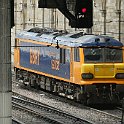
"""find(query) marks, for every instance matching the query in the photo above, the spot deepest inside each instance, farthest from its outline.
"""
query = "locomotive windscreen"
(102, 55)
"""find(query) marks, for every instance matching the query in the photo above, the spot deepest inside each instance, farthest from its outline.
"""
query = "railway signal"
(84, 13)
(83, 17)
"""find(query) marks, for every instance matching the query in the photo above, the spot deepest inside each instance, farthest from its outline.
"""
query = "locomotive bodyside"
(86, 68)
(41, 59)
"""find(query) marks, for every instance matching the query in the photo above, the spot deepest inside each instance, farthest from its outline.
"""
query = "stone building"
(108, 17)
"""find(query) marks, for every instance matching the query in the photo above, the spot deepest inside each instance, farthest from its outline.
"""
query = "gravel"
(84, 113)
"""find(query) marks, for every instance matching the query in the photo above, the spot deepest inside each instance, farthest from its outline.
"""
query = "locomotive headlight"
(119, 76)
(87, 75)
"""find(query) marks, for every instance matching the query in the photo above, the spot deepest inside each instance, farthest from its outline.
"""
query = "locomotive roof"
(68, 39)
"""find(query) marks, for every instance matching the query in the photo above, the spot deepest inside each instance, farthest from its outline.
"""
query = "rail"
(45, 112)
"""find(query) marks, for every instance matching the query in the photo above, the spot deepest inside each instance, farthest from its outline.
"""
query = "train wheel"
(32, 80)
(38, 82)
(55, 87)
(79, 96)
(48, 84)
(19, 75)
(53, 82)
(42, 82)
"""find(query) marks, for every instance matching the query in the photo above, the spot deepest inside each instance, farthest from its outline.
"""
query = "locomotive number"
(34, 56)
(55, 64)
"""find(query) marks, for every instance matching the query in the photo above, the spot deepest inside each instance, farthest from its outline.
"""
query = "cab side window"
(76, 55)
(62, 55)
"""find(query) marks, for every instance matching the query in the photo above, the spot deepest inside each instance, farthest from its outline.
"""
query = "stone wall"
(106, 18)
(111, 22)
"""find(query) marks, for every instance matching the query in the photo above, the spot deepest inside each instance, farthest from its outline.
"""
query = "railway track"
(15, 121)
(106, 117)
(45, 112)
(117, 112)
(33, 112)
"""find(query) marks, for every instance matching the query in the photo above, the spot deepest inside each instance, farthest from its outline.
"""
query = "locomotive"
(83, 67)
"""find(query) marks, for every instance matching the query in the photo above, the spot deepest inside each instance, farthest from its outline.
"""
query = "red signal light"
(84, 10)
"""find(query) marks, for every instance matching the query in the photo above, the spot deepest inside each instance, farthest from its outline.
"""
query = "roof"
(68, 39)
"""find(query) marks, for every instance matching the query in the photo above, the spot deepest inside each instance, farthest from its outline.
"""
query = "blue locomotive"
(84, 67)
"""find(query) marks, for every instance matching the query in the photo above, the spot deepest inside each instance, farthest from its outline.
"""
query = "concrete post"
(64, 23)
(43, 17)
(52, 18)
(118, 12)
(5, 63)
(103, 10)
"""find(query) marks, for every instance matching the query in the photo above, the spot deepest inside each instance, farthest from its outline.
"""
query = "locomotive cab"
(102, 74)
